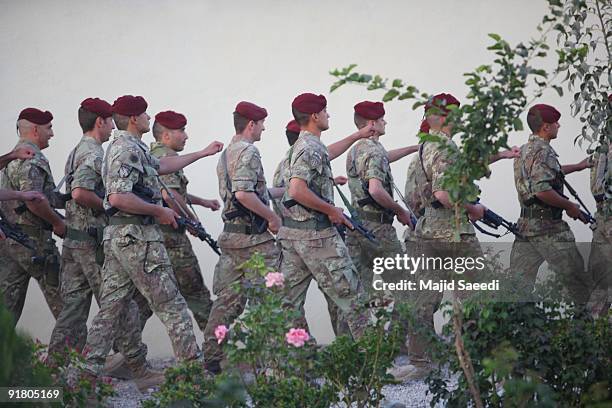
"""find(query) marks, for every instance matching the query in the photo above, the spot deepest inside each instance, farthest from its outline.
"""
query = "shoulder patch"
(125, 170)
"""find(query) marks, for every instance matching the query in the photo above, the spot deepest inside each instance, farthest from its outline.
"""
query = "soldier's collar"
(438, 133)
(29, 143)
(536, 138)
(157, 145)
(91, 139)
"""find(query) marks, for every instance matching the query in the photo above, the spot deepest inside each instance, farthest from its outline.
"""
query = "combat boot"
(116, 367)
(145, 377)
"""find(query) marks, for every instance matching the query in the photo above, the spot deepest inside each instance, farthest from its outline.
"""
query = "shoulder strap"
(421, 160)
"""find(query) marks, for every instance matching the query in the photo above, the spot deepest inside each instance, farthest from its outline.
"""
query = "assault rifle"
(15, 233)
(586, 214)
(146, 194)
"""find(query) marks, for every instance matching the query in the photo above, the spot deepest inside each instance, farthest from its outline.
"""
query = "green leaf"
(558, 89)
(494, 36)
(517, 123)
(337, 85)
(391, 93)
(397, 83)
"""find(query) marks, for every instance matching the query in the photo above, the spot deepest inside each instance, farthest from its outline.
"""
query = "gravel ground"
(410, 394)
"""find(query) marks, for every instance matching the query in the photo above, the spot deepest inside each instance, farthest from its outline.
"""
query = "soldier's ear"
(99, 122)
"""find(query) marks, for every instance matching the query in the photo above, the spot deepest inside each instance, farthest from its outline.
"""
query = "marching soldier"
(371, 185)
(134, 254)
(85, 221)
(248, 222)
(311, 245)
(538, 177)
(170, 137)
(35, 217)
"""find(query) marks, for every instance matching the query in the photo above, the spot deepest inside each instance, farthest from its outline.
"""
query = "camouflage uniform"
(135, 258)
(279, 181)
(311, 246)
(600, 258)
(239, 169)
(544, 234)
(17, 266)
(368, 160)
(414, 179)
(183, 259)
(435, 238)
(80, 277)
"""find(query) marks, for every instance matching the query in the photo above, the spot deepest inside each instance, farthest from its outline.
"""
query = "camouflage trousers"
(18, 266)
(189, 279)
(600, 261)
(131, 264)
(560, 252)
(80, 279)
(326, 260)
(424, 302)
(229, 304)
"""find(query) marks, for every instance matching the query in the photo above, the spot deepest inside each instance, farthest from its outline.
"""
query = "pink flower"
(297, 337)
(275, 279)
(220, 333)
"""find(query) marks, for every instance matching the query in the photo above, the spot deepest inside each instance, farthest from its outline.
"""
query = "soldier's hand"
(31, 196)
(59, 229)
(167, 216)
(511, 153)
(340, 180)
(2, 236)
(586, 163)
(23, 152)
(366, 131)
(336, 216)
(213, 148)
(404, 218)
(574, 212)
(476, 211)
(212, 204)
(274, 224)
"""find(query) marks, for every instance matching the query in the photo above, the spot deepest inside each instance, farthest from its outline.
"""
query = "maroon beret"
(36, 116)
(293, 126)
(441, 101)
(370, 110)
(171, 119)
(309, 103)
(98, 106)
(546, 112)
(251, 111)
(424, 128)
(129, 105)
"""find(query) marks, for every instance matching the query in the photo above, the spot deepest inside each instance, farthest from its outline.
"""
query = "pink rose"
(220, 333)
(275, 279)
(297, 337)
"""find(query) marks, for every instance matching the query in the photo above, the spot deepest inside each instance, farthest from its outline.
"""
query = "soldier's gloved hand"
(31, 196)
(476, 211)
(574, 212)
(336, 216)
(404, 218)
(59, 229)
(213, 148)
(340, 180)
(167, 216)
(23, 152)
(274, 224)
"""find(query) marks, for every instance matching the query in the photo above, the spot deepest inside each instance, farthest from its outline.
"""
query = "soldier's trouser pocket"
(156, 280)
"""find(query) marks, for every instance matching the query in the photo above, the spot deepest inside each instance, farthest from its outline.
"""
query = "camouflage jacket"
(176, 181)
(127, 163)
(536, 170)
(367, 160)
(279, 181)
(240, 169)
(85, 165)
(309, 162)
(436, 223)
(27, 175)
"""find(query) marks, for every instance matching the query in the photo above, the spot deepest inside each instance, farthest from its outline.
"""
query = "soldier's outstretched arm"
(212, 203)
(20, 152)
(21, 195)
(511, 153)
(474, 211)
(87, 198)
(570, 168)
(341, 146)
(172, 164)
(299, 191)
(132, 204)
(397, 154)
(176, 202)
(552, 198)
